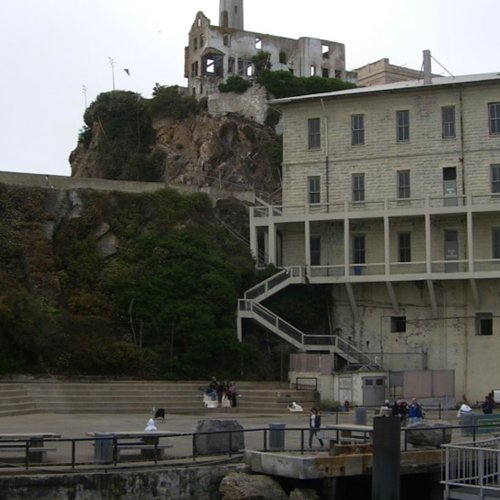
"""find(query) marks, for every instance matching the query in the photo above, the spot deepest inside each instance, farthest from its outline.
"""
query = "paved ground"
(72, 426)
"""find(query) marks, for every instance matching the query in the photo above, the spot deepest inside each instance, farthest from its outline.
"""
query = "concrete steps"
(141, 397)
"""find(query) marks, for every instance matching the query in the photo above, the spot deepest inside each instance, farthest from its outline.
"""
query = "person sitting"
(295, 407)
(487, 405)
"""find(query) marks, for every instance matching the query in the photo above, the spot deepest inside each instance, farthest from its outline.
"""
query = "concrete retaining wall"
(65, 182)
(201, 483)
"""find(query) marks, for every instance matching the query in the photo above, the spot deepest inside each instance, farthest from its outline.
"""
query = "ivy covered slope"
(142, 285)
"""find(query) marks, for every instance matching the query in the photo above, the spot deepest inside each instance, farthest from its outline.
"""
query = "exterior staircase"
(140, 397)
(250, 307)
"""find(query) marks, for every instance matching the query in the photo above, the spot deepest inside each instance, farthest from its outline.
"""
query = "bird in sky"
(127, 71)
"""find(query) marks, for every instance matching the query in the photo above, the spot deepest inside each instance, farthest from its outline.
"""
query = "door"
(450, 186)
(374, 390)
(451, 251)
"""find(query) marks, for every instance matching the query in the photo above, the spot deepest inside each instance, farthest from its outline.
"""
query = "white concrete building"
(391, 198)
(215, 53)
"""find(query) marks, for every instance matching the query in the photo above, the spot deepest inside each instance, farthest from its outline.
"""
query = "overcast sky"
(51, 49)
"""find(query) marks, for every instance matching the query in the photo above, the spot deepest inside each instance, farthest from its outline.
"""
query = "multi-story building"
(391, 197)
(215, 53)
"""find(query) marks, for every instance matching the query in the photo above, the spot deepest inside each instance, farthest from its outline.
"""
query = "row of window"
(403, 186)
(404, 247)
(484, 324)
(448, 125)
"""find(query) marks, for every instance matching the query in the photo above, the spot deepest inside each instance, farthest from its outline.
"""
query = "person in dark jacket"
(314, 426)
(487, 405)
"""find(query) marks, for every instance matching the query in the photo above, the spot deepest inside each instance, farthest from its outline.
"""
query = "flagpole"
(112, 64)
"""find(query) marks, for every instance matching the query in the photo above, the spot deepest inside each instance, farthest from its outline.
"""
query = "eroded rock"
(240, 486)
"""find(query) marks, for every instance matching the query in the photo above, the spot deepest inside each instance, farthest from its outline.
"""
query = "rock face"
(208, 444)
(240, 486)
(223, 151)
(429, 433)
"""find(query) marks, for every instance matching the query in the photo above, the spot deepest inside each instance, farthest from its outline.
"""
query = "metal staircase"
(251, 308)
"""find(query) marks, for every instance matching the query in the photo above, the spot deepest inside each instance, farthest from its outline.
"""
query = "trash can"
(360, 416)
(103, 448)
(466, 419)
(277, 436)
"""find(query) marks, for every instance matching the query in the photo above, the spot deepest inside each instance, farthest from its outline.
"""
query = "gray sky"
(50, 49)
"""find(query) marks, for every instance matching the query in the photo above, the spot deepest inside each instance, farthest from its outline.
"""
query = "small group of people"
(220, 394)
(412, 412)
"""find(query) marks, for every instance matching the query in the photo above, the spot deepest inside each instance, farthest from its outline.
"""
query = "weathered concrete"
(240, 486)
(175, 484)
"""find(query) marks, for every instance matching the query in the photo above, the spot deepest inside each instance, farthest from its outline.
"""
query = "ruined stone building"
(391, 198)
(215, 53)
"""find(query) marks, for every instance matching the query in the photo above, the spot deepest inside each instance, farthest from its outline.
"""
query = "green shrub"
(235, 83)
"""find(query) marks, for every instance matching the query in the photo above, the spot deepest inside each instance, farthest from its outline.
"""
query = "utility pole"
(112, 64)
(84, 90)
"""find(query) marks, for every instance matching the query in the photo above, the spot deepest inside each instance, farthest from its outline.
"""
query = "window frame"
(314, 189)
(403, 185)
(404, 246)
(314, 133)
(357, 129)
(495, 178)
(358, 250)
(484, 324)
(403, 125)
(448, 123)
(358, 192)
(495, 242)
(315, 254)
(494, 118)
(398, 324)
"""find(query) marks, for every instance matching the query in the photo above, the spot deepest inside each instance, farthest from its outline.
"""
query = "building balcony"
(372, 209)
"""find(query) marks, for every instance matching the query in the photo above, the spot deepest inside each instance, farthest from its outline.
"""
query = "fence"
(105, 452)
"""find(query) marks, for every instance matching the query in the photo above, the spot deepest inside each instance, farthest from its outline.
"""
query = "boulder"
(304, 494)
(216, 442)
(428, 433)
(241, 486)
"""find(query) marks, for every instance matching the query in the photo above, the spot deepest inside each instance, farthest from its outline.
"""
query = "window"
(358, 187)
(258, 43)
(398, 324)
(403, 183)
(325, 73)
(313, 189)
(358, 247)
(314, 133)
(313, 70)
(404, 247)
(230, 65)
(226, 39)
(448, 121)
(338, 74)
(484, 324)
(195, 43)
(403, 125)
(495, 178)
(282, 58)
(325, 49)
(495, 240)
(358, 129)
(202, 41)
(315, 251)
(494, 117)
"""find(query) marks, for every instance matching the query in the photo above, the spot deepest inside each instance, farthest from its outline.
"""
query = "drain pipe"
(327, 160)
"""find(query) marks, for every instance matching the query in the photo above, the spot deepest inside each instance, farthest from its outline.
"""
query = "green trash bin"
(103, 447)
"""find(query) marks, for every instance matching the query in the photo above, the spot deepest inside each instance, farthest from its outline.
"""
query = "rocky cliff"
(195, 148)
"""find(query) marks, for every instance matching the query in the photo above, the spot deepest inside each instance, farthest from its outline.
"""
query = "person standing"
(415, 412)
(314, 427)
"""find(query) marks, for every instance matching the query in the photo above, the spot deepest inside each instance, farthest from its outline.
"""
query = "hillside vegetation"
(109, 284)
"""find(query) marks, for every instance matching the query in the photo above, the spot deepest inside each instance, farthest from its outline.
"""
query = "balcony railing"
(351, 207)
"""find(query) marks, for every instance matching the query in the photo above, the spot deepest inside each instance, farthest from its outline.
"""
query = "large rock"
(216, 442)
(240, 486)
(428, 433)
(300, 494)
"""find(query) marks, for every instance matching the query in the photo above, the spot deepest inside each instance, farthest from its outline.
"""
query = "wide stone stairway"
(18, 398)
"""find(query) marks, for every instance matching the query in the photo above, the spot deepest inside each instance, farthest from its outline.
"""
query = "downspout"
(462, 147)
(327, 160)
